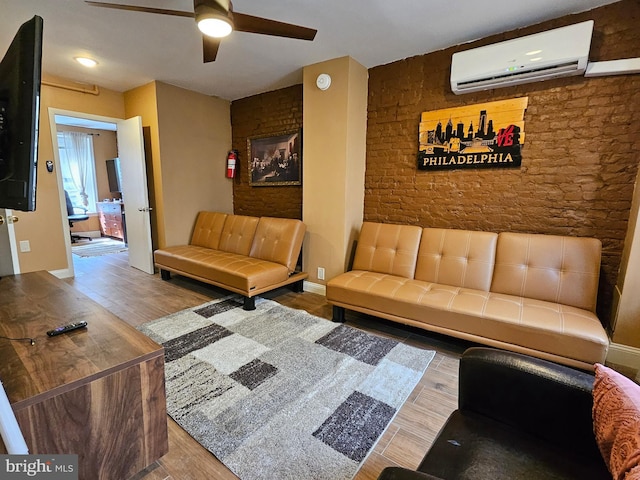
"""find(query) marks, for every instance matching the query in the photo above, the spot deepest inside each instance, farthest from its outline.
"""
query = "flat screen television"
(113, 174)
(20, 74)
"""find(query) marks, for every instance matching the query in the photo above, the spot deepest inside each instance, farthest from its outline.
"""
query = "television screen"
(113, 174)
(20, 73)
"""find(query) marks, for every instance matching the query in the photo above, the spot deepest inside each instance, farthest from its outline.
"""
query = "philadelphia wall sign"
(486, 135)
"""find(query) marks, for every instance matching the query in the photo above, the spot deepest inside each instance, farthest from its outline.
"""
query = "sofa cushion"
(237, 234)
(387, 248)
(554, 268)
(278, 240)
(460, 258)
(476, 447)
(616, 421)
(474, 314)
(207, 229)
(226, 269)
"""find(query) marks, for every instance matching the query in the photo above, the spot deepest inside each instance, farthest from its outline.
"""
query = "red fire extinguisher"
(232, 159)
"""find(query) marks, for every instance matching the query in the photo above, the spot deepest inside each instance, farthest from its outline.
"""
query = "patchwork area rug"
(98, 246)
(278, 393)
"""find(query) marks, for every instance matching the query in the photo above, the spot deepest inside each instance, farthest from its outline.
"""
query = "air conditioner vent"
(543, 73)
(555, 53)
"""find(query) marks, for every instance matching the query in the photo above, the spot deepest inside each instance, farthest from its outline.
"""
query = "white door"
(8, 252)
(134, 194)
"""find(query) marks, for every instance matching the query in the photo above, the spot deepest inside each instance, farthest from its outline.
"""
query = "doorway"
(88, 151)
(127, 210)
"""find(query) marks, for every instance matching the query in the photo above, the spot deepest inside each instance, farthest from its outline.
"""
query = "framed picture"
(275, 159)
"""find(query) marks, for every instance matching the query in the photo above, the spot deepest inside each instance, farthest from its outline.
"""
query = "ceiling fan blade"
(134, 8)
(210, 48)
(248, 23)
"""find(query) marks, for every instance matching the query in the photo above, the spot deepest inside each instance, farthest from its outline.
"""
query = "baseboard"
(315, 288)
(64, 273)
(88, 233)
(624, 355)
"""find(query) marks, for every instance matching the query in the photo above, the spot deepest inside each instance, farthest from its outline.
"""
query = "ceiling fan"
(216, 19)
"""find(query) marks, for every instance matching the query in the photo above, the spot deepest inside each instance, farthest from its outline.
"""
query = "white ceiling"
(135, 48)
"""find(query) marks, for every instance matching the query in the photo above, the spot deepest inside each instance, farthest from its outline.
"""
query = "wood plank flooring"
(137, 297)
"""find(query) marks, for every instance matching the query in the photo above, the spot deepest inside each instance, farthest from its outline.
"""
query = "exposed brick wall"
(268, 113)
(579, 161)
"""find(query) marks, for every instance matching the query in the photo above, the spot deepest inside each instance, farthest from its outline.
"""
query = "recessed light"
(533, 52)
(86, 61)
(536, 59)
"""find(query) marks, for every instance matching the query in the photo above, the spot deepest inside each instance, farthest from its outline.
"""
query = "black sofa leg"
(298, 287)
(338, 314)
(165, 274)
(249, 303)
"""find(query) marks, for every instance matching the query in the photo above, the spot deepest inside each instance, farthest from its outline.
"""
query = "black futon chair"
(74, 217)
(518, 417)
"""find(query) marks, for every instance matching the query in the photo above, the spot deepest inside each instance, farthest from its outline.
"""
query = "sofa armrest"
(398, 473)
(547, 400)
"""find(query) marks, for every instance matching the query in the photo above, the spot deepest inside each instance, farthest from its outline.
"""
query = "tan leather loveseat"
(246, 255)
(529, 293)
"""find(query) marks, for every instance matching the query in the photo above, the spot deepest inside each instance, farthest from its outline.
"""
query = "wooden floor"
(137, 297)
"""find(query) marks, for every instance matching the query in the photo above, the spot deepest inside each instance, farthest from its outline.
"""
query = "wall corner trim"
(63, 273)
(315, 288)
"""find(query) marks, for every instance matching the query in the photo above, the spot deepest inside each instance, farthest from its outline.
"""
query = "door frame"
(9, 261)
(53, 112)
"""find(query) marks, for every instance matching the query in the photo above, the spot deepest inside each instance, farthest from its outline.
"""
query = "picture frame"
(275, 159)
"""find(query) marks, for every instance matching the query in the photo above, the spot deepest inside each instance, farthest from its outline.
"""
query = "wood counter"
(96, 392)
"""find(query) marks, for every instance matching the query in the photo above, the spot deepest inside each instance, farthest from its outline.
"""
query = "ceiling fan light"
(215, 27)
(214, 24)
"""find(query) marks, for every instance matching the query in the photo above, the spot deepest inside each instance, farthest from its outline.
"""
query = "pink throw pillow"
(616, 422)
(633, 474)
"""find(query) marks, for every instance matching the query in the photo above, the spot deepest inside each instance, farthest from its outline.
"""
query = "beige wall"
(189, 136)
(195, 136)
(141, 101)
(43, 228)
(334, 161)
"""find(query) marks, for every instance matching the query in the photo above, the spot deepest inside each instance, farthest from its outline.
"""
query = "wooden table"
(96, 392)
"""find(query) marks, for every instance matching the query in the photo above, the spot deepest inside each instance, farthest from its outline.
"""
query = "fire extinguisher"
(232, 159)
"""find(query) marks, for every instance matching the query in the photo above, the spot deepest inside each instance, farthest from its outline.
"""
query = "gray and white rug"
(98, 246)
(276, 393)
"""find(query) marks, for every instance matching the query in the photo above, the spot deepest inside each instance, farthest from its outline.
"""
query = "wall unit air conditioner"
(561, 52)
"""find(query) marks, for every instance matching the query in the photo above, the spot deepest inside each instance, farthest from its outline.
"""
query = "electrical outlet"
(25, 246)
(320, 273)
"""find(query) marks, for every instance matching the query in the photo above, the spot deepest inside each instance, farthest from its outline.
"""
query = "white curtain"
(79, 152)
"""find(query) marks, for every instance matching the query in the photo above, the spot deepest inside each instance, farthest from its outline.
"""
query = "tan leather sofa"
(246, 255)
(528, 293)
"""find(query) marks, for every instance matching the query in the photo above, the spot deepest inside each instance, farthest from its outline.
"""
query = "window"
(77, 166)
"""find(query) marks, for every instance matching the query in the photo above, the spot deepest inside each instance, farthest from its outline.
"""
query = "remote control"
(66, 328)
